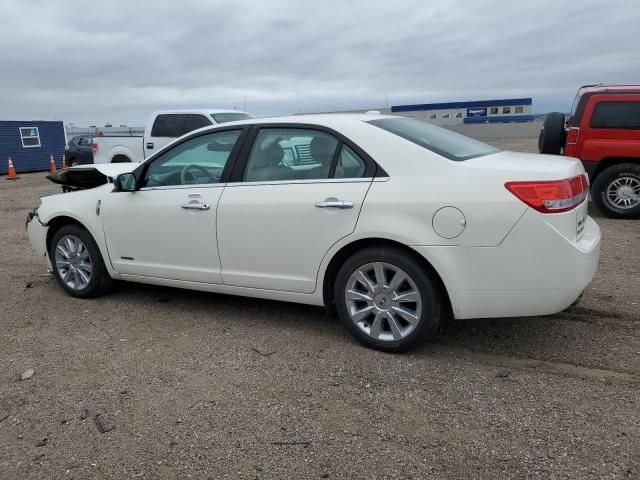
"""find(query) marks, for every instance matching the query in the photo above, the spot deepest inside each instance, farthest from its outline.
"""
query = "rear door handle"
(149, 145)
(341, 204)
(196, 206)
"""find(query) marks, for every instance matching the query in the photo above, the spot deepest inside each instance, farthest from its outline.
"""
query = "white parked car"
(162, 128)
(397, 222)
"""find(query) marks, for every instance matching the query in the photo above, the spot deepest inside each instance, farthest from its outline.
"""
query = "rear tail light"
(551, 196)
(94, 148)
(572, 140)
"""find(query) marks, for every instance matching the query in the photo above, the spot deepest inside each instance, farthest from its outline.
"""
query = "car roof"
(322, 119)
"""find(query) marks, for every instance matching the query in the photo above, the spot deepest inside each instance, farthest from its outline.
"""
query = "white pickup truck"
(162, 128)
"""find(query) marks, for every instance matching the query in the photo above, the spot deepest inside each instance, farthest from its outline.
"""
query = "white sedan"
(396, 222)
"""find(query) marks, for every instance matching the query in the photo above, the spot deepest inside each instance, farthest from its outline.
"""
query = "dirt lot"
(203, 386)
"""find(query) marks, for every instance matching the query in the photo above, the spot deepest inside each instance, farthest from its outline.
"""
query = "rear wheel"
(120, 159)
(616, 191)
(386, 300)
(552, 136)
(77, 263)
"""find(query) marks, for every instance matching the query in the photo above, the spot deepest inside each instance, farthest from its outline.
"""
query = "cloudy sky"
(93, 62)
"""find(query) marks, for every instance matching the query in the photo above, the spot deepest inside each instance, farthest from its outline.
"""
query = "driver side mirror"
(126, 182)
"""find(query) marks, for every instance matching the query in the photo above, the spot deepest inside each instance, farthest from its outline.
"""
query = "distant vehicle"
(396, 222)
(603, 131)
(162, 128)
(78, 151)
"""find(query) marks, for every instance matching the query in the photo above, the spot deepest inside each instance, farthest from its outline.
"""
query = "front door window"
(197, 161)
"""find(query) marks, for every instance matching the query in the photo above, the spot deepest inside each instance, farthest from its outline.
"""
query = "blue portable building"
(30, 144)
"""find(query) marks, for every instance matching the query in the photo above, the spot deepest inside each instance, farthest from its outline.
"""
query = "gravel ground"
(196, 385)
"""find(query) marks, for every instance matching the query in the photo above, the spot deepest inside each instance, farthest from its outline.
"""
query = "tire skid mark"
(542, 365)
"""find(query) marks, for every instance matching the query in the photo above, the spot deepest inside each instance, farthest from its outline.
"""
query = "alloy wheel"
(73, 262)
(383, 301)
(624, 192)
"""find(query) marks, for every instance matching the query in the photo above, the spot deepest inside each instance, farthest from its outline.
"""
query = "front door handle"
(341, 204)
(196, 206)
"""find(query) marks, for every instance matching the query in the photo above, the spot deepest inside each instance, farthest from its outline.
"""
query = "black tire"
(601, 184)
(100, 281)
(552, 136)
(120, 159)
(432, 309)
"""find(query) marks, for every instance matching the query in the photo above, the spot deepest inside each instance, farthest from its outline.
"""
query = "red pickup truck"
(603, 131)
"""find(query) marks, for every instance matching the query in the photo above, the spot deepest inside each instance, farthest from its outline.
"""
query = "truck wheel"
(552, 136)
(120, 159)
(616, 191)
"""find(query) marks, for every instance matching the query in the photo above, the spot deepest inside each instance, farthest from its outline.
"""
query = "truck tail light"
(551, 196)
(94, 148)
(572, 141)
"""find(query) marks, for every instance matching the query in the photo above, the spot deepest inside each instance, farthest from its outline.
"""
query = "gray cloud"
(117, 61)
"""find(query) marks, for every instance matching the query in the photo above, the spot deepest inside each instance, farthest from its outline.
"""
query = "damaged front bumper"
(37, 232)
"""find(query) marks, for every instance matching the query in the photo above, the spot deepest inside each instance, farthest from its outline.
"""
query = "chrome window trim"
(272, 182)
(301, 182)
(182, 187)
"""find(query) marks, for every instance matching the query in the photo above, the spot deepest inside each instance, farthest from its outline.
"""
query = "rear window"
(624, 115)
(444, 142)
(168, 125)
(230, 117)
(194, 121)
(574, 119)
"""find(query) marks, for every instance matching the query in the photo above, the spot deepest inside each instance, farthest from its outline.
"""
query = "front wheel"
(616, 191)
(77, 263)
(387, 300)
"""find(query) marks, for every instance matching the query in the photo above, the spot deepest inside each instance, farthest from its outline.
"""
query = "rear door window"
(621, 115)
(350, 165)
(168, 125)
(291, 154)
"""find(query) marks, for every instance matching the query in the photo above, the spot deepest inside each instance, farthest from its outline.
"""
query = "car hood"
(90, 176)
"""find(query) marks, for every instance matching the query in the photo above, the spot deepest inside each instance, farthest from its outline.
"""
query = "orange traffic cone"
(64, 163)
(52, 164)
(12, 171)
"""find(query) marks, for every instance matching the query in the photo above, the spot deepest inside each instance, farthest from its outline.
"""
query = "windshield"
(230, 117)
(444, 142)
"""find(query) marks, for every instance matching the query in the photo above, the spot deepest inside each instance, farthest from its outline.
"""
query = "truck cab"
(162, 128)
